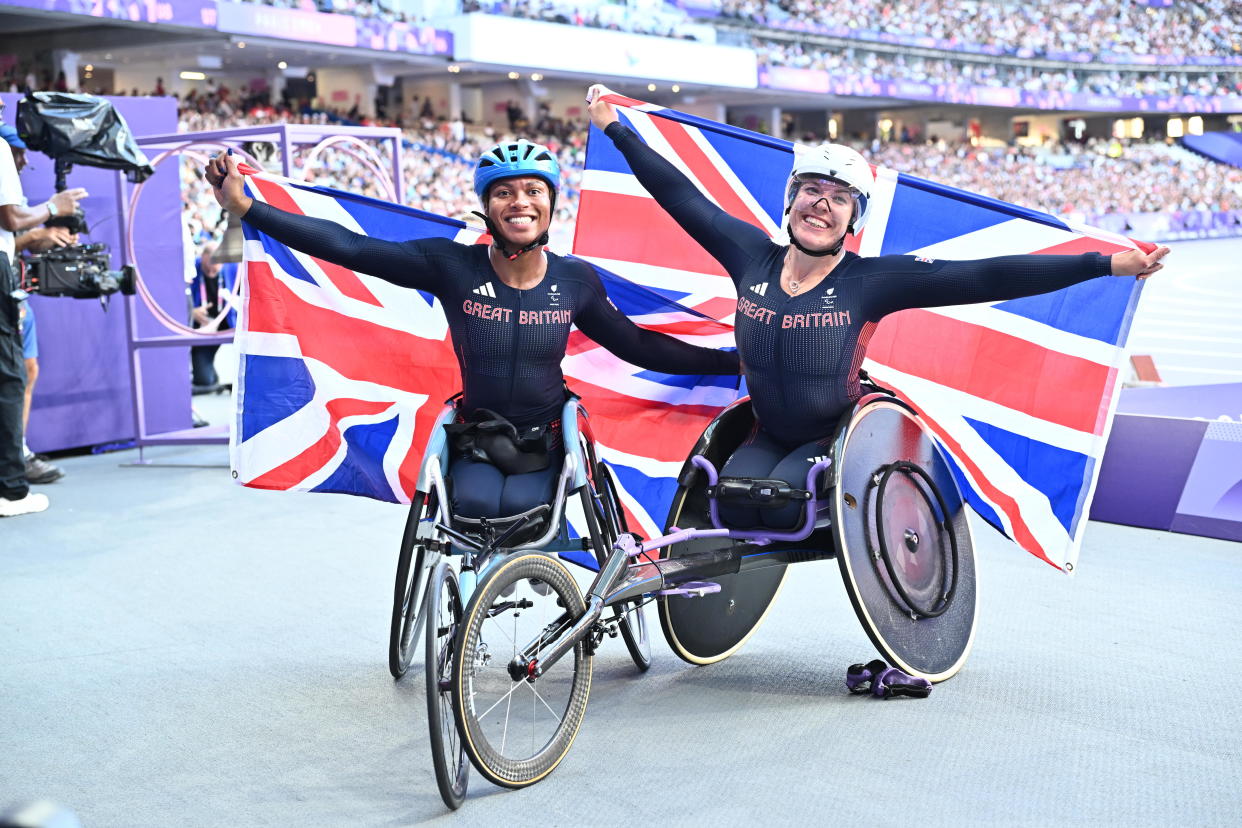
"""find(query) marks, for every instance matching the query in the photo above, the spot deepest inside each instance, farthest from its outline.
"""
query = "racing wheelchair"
(431, 592)
(884, 503)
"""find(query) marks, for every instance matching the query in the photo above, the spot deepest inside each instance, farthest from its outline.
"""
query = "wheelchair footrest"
(692, 589)
(758, 492)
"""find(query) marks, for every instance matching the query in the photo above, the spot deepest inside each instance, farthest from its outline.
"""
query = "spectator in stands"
(211, 294)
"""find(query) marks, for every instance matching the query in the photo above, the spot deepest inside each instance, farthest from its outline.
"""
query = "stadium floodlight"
(190, 75)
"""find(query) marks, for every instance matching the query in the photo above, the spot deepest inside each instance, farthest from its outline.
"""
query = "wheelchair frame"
(425, 579)
(626, 577)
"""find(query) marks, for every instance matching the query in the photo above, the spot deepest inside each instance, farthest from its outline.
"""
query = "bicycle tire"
(443, 612)
(630, 616)
(413, 567)
(478, 677)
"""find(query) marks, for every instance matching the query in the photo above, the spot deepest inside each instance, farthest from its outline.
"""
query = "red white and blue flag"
(1021, 392)
(342, 375)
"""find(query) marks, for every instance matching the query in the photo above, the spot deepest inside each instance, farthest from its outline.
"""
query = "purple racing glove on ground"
(885, 682)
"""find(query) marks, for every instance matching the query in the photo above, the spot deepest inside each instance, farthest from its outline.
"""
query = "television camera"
(78, 129)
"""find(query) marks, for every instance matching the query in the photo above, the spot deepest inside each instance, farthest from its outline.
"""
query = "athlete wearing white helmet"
(831, 173)
(806, 311)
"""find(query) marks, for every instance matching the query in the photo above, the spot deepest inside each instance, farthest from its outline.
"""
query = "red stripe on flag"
(621, 100)
(344, 279)
(718, 308)
(384, 356)
(636, 229)
(678, 137)
(276, 195)
(292, 472)
(1081, 244)
(925, 344)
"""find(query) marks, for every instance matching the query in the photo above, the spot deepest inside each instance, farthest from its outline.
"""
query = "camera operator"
(39, 240)
(15, 217)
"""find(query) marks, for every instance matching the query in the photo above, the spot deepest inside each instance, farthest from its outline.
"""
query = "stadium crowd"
(1209, 28)
(1078, 181)
(357, 8)
(860, 67)
(1033, 28)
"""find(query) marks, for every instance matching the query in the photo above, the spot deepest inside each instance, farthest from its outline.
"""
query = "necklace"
(793, 286)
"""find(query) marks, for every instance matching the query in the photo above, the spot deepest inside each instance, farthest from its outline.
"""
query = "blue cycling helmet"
(514, 159)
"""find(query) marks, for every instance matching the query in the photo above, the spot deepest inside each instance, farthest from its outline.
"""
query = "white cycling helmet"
(841, 164)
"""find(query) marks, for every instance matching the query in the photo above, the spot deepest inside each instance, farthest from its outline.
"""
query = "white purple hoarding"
(262, 21)
(175, 12)
(333, 29)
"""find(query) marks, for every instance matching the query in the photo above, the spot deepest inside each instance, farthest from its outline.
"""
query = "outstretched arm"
(609, 327)
(402, 263)
(923, 284)
(731, 241)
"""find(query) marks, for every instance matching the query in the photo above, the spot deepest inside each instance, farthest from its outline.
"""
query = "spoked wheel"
(413, 567)
(443, 613)
(517, 730)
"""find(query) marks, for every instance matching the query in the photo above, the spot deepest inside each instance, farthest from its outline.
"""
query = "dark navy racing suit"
(509, 342)
(801, 353)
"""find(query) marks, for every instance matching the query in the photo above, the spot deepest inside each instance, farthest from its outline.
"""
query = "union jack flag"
(1020, 392)
(343, 374)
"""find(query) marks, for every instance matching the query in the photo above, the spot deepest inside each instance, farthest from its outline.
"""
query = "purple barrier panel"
(1144, 468)
(1211, 502)
(1207, 401)
(82, 396)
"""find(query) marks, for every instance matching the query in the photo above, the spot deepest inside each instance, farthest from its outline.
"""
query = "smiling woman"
(806, 312)
(516, 181)
(509, 307)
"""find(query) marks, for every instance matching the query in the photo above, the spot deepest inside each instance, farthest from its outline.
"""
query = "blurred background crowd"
(1081, 182)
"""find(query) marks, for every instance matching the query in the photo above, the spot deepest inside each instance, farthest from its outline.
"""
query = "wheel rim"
(908, 560)
(443, 618)
(632, 618)
(517, 731)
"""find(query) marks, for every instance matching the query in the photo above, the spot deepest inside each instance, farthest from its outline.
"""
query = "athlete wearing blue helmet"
(517, 165)
(509, 315)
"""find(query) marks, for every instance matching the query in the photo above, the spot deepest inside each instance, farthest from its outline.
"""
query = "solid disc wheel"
(443, 614)
(713, 627)
(907, 558)
(517, 731)
(413, 566)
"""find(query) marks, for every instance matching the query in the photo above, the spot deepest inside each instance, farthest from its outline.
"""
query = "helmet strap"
(500, 245)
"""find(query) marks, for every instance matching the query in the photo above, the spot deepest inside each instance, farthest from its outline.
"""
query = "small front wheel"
(632, 620)
(442, 615)
(517, 730)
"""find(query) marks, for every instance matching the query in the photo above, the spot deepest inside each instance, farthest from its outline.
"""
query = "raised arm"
(732, 242)
(402, 263)
(918, 283)
(609, 327)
